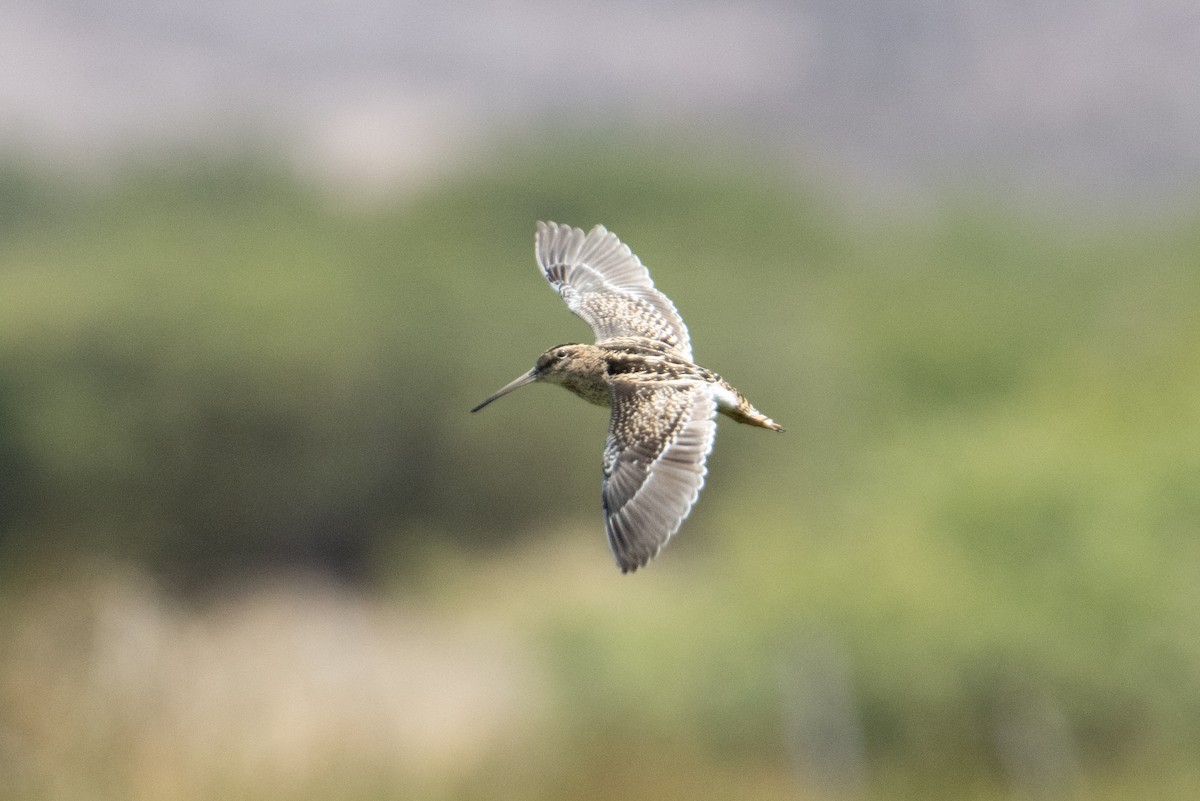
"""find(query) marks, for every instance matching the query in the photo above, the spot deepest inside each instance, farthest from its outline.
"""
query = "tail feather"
(743, 410)
(751, 416)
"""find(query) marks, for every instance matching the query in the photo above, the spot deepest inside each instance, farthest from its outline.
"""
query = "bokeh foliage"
(985, 508)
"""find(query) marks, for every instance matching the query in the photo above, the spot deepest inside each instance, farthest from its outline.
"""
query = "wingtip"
(598, 230)
(629, 562)
(631, 567)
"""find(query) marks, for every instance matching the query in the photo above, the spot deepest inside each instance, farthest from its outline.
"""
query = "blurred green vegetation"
(980, 530)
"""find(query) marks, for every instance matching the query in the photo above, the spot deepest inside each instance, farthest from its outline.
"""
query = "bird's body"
(591, 371)
(663, 404)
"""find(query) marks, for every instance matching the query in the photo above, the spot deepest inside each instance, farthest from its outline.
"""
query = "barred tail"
(734, 404)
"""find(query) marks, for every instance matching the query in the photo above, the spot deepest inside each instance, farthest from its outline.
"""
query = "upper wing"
(654, 467)
(603, 282)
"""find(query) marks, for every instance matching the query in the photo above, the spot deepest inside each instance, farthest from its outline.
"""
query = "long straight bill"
(528, 378)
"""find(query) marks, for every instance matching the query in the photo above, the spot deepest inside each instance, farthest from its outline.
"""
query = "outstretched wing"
(603, 282)
(658, 439)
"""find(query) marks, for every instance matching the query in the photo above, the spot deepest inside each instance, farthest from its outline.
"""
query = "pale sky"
(1077, 96)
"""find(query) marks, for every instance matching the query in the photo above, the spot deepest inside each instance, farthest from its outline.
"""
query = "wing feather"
(605, 283)
(654, 464)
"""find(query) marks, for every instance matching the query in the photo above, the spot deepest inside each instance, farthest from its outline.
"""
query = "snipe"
(664, 405)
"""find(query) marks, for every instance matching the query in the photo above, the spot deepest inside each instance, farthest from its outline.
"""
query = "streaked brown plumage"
(664, 405)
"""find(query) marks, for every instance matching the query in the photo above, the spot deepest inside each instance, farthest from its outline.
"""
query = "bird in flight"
(664, 405)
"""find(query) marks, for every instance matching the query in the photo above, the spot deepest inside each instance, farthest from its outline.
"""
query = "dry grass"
(110, 689)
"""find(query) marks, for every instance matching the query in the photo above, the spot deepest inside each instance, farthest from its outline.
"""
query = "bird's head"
(564, 360)
(553, 366)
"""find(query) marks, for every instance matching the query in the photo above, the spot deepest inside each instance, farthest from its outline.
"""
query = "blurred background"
(258, 259)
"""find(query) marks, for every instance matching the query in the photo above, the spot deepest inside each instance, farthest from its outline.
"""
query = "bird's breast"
(592, 387)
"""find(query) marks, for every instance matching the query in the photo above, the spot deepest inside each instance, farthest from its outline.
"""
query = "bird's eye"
(562, 354)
